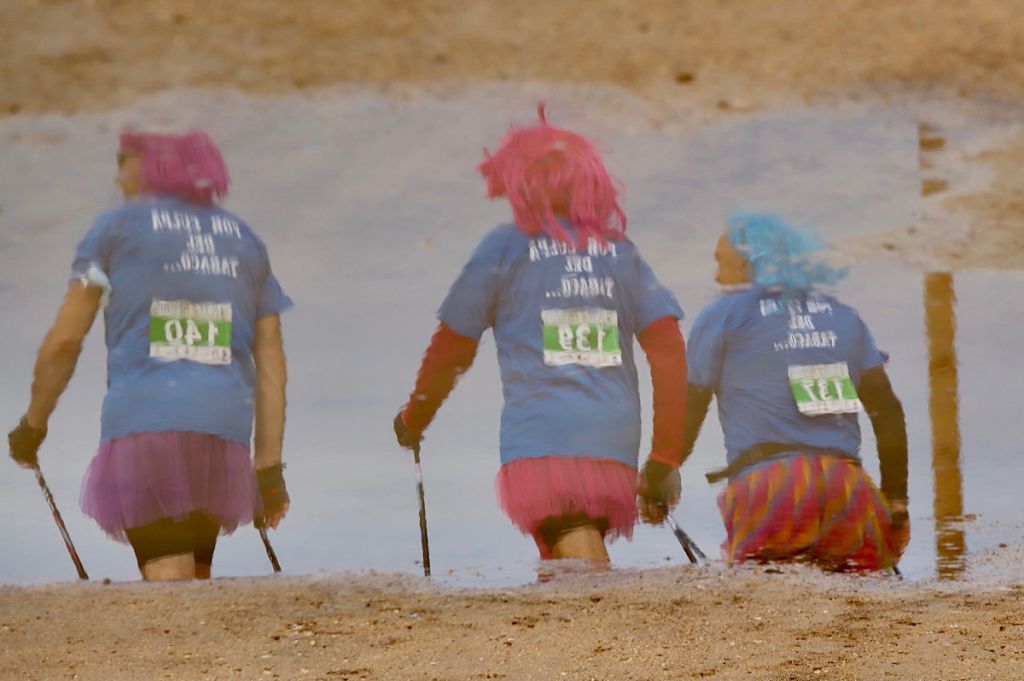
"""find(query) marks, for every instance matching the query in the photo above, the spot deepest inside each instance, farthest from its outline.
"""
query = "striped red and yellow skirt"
(809, 506)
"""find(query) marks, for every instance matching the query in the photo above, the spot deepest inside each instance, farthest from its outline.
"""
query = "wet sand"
(739, 54)
(660, 624)
(701, 60)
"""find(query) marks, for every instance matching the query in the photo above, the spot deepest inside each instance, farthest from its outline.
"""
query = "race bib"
(198, 332)
(823, 389)
(587, 336)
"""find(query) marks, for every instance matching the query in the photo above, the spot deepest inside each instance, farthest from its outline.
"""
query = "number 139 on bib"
(586, 336)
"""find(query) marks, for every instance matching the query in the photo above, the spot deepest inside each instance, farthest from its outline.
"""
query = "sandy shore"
(736, 52)
(683, 623)
(723, 57)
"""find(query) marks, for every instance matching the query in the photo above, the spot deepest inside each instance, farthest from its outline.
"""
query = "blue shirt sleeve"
(869, 356)
(95, 248)
(271, 298)
(651, 300)
(705, 348)
(469, 308)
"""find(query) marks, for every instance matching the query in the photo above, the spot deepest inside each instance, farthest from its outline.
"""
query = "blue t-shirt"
(188, 283)
(743, 345)
(564, 318)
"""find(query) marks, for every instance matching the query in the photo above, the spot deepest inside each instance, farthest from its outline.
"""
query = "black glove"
(406, 438)
(272, 489)
(24, 442)
(900, 524)
(658, 490)
(898, 512)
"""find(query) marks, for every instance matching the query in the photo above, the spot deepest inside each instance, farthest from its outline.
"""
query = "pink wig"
(188, 166)
(546, 171)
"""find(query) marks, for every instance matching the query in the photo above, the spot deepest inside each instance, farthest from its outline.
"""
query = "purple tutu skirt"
(142, 478)
(532, 490)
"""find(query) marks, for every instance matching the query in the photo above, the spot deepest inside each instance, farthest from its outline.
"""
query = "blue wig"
(780, 254)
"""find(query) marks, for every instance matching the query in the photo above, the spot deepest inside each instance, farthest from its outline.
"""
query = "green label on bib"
(823, 389)
(587, 336)
(199, 332)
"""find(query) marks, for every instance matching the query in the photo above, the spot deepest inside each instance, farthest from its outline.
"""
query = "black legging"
(196, 534)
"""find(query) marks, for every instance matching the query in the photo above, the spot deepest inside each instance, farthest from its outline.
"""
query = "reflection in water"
(929, 140)
(931, 186)
(853, 170)
(943, 406)
(940, 326)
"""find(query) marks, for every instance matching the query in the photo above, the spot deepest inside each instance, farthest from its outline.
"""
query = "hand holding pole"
(23, 443)
(410, 440)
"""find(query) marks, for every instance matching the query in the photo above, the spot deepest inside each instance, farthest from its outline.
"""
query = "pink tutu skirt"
(142, 478)
(531, 491)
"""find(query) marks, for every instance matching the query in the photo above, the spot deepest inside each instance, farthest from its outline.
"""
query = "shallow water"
(369, 205)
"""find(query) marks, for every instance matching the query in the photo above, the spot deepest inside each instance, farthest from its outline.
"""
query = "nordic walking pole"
(60, 522)
(690, 548)
(270, 549)
(424, 542)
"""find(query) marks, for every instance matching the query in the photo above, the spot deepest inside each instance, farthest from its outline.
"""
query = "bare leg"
(583, 542)
(167, 568)
(202, 571)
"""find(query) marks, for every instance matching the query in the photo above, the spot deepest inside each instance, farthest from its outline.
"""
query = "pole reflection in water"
(943, 406)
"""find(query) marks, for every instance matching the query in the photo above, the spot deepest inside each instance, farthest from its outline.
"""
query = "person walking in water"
(564, 291)
(194, 358)
(791, 367)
